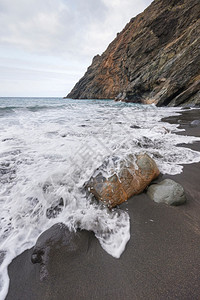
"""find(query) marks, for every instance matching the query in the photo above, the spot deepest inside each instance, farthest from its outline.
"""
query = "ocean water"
(50, 147)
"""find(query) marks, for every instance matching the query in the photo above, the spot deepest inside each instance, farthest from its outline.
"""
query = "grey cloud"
(67, 27)
(51, 42)
(49, 26)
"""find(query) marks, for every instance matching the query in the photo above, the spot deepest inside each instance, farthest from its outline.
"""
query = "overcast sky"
(47, 45)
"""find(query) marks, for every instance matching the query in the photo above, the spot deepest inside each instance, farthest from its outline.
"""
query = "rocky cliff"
(154, 59)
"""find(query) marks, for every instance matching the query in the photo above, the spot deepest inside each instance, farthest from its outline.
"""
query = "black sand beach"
(161, 260)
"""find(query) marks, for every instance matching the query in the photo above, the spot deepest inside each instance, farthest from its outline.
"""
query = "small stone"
(195, 123)
(36, 257)
(168, 191)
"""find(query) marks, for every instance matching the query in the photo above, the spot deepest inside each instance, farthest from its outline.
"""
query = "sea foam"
(50, 148)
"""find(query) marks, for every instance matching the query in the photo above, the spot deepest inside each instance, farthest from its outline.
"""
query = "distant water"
(50, 147)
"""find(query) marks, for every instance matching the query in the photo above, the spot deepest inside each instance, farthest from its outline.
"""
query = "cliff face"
(155, 59)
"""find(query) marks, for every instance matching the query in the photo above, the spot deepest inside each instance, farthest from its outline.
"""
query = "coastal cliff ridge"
(154, 59)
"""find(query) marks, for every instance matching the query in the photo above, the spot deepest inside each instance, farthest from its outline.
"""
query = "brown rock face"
(155, 59)
(132, 178)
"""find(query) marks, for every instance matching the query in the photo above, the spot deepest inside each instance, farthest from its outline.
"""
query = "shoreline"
(161, 259)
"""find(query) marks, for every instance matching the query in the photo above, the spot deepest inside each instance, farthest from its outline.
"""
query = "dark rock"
(154, 59)
(7, 139)
(54, 210)
(135, 126)
(168, 191)
(58, 235)
(55, 237)
(7, 172)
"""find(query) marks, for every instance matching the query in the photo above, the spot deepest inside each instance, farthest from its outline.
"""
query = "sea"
(49, 147)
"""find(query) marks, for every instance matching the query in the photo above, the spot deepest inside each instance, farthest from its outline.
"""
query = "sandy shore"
(161, 260)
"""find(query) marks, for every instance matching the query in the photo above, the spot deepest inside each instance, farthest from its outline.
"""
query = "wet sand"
(161, 260)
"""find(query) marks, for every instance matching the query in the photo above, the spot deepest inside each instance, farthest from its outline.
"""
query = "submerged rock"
(54, 210)
(57, 234)
(55, 237)
(135, 126)
(45, 241)
(168, 191)
(130, 177)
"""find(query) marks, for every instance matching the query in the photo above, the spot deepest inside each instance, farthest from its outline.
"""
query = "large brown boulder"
(129, 177)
